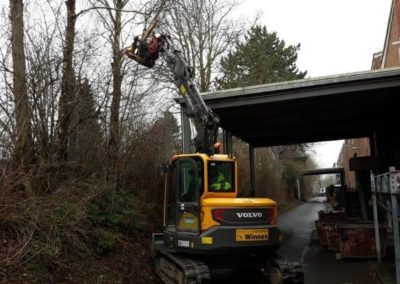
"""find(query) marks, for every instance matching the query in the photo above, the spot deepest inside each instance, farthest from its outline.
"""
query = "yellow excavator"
(207, 228)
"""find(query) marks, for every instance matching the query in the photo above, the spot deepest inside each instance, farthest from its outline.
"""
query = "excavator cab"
(205, 221)
(183, 188)
(189, 179)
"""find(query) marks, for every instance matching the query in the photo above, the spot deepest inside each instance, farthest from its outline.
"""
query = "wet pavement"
(296, 226)
(320, 265)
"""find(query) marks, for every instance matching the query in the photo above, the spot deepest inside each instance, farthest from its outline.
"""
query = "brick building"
(391, 49)
(388, 58)
(352, 148)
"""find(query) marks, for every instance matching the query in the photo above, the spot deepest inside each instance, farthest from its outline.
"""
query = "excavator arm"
(205, 120)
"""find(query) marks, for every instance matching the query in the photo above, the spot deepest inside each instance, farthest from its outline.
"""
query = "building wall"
(392, 55)
(389, 57)
(352, 148)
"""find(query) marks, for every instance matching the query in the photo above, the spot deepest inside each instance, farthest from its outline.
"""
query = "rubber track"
(194, 271)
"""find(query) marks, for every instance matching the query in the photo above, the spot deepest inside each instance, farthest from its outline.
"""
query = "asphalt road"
(320, 265)
(296, 226)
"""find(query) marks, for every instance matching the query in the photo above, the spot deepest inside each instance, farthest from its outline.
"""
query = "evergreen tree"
(262, 58)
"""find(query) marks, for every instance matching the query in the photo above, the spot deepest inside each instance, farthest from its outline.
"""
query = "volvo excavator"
(207, 227)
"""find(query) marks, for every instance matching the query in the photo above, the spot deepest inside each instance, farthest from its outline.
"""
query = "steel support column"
(299, 182)
(376, 221)
(252, 171)
(228, 144)
(186, 133)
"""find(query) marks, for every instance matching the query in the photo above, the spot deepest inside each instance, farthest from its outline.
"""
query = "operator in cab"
(219, 183)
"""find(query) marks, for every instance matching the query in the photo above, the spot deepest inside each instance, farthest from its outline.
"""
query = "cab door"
(171, 196)
(190, 188)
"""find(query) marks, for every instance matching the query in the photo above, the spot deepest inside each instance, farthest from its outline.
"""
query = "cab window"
(221, 176)
(190, 180)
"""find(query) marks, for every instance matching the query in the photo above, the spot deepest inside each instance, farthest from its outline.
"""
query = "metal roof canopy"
(325, 171)
(309, 110)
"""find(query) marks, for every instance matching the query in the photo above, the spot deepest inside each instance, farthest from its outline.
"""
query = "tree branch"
(112, 9)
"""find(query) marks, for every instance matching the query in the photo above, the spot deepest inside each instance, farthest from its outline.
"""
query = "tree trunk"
(67, 98)
(23, 147)
(114, 139)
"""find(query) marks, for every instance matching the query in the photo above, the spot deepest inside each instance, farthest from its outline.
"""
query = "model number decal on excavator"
(252, 235)
(182, 243)
(249, 215)
(207, 240)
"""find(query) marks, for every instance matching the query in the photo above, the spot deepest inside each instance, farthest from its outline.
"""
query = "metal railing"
(387, 186)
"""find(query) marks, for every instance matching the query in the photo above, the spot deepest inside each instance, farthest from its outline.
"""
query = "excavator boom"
(205, 120)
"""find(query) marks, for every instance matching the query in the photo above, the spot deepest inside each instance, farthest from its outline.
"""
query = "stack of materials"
(327, 228)
(349, 238)
(357, 240)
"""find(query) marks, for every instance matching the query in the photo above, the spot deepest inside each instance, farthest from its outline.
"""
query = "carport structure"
(364, 104)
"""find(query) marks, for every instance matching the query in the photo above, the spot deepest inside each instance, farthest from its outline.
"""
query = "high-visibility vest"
(221, 184)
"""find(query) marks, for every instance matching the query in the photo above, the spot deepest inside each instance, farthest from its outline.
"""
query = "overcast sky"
(336, 36)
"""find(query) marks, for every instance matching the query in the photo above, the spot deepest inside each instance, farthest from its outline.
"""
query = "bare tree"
(204, 31)
(23, 149)
(117, 79)
(67, 97)
(125, 97)
(56, 65)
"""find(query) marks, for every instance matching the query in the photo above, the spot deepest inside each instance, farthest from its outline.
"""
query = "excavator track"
(176, 269)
